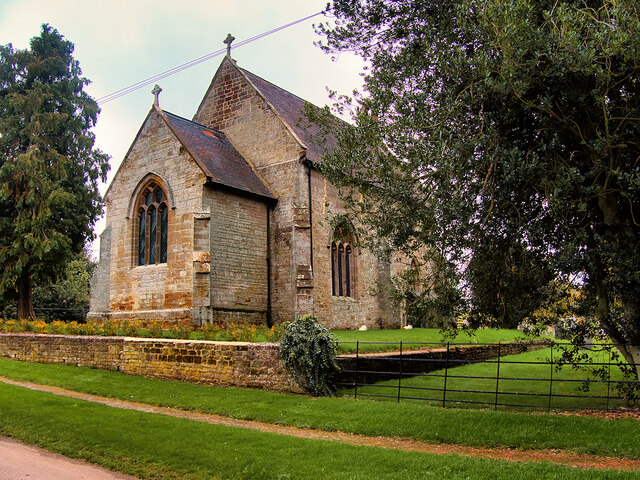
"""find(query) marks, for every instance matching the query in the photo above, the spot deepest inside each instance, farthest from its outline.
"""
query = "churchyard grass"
(158, 446)
(525, 379)
(404, 420)
(419, 338)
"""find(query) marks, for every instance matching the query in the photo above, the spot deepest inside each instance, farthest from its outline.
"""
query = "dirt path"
(20, 461)
(555, 456)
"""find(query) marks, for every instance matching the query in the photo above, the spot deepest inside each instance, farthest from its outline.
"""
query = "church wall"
(99, 301)
(161, 291)
(371, 303)
(238, 252)
(259, 135)
(262, 139)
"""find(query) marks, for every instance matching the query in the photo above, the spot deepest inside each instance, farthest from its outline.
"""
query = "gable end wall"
(162, 291)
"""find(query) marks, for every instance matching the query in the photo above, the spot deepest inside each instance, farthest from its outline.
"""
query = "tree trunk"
(25, 300)
(631, 353)
(631, 307)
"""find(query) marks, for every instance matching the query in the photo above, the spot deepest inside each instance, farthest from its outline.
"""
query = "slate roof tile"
(290, 107)
(215, 155)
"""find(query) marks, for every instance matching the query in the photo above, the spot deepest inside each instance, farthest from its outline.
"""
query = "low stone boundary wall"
(368, 368)
(230, 364)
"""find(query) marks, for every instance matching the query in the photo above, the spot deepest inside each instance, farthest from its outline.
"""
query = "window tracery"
(152, 225)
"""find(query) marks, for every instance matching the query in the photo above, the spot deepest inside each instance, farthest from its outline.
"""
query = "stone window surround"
(135, 205)
(344, 264)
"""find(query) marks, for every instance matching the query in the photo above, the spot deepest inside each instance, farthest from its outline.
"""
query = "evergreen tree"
(503, 135)
(49, 168)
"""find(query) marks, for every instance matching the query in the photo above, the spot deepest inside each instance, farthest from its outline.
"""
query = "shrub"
(129, 329)
(182, 331)
(242, 332)
(210, 331)
(274, 334)
(109, 328)
(308, 352)
(155, 330)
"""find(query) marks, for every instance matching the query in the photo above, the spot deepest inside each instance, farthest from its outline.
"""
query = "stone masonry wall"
(229, 364)
(232, 105)
(257, 132)
(238, 248)
(162, 291)
(99, 301)
(370, 303)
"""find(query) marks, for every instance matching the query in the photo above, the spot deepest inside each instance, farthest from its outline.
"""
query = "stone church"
(225, 218)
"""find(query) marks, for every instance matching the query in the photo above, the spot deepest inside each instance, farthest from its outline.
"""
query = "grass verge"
(152, 446)
(430, 424)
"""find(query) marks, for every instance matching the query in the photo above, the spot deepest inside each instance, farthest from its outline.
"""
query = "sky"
(119, 43)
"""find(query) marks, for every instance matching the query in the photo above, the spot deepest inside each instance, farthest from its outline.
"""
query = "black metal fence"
(538, 375)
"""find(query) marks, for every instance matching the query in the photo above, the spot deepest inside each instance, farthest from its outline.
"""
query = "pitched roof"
(215, 155)
(290, 108)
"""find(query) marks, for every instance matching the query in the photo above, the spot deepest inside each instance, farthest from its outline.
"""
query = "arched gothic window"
(342, 263)
(152, 225)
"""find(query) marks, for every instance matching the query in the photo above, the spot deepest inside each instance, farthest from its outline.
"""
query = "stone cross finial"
(230, 38)
(156, 93)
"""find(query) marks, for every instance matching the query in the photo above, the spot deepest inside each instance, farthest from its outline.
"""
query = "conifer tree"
(49, 168)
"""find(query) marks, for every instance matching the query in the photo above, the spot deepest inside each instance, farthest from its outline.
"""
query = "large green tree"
(49, 168)
(503, 135)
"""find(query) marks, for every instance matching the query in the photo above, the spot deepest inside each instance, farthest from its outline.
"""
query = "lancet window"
(342, 263)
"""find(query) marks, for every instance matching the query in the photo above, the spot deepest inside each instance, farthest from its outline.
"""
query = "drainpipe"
(308, 164)
(269, 320)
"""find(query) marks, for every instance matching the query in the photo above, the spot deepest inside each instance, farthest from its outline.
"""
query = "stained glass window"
(142, 220)
(153, 225)
(164, 221)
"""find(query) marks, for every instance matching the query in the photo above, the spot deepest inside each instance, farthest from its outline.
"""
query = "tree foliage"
(49, 168)
(504, 136)
(68, 298)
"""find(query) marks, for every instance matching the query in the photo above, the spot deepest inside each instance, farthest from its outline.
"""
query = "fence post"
(446, 373)
(400, 377)
(608, 378)
(551, 378)
(355, 377)
(495, 404)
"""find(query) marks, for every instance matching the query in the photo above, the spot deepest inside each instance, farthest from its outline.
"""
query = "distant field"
(388, 340)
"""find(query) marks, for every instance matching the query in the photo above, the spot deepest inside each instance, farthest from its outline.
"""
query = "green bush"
(129, 329)
(274, 334)
(308, 352)
(211, 331)
(182, 331)
(155, 330)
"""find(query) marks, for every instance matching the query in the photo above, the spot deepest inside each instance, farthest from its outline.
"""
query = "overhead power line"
(172, 71)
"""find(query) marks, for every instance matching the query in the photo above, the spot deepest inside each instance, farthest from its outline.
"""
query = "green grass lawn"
(388, 340)
(153, 446)
(405, 420)
(525, 380)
